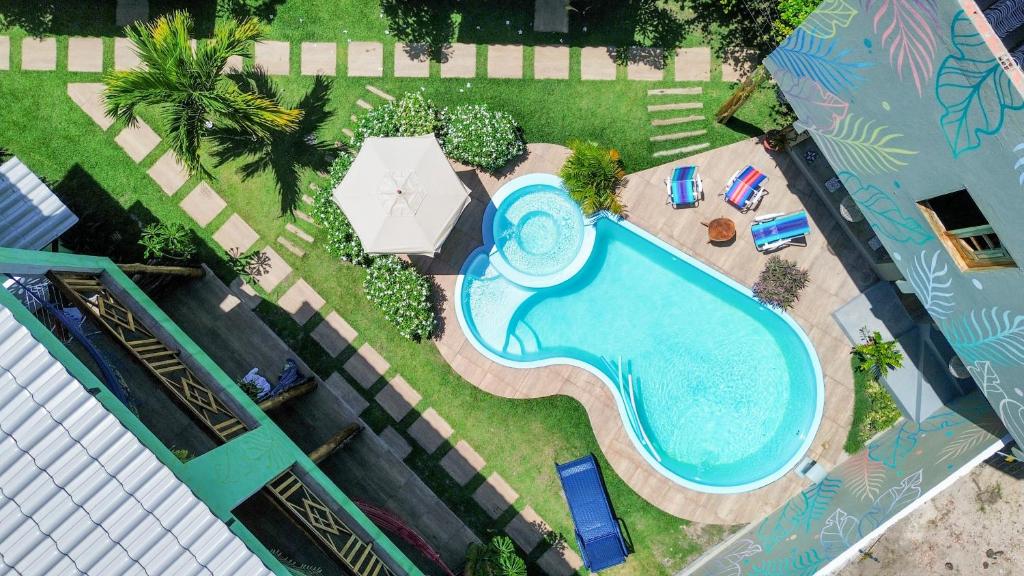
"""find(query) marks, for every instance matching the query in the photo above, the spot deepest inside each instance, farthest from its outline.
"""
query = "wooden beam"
(186, 271)
(335, 442)
(288, 395)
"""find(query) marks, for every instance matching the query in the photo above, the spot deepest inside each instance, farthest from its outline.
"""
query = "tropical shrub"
(874, 410)
(341, 240)
(403, 294)
(498, 558)
(478, 136)
(172, 242)
(877, 355)
(780, 283)
(410, 115)
(593, 176)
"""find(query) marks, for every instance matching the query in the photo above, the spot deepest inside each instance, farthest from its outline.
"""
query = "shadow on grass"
(425, 26)
(286, 154)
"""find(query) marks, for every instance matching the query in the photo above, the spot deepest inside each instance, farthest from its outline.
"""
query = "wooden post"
(740, 96)
(186, 271)
(334, 443)
(288, 395)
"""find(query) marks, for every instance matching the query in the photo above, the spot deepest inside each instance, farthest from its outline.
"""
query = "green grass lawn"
(519, 439)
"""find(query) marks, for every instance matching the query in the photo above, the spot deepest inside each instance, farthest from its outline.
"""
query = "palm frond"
(250, 112)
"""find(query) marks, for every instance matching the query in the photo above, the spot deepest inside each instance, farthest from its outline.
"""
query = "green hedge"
(874, 410)
(403, 294)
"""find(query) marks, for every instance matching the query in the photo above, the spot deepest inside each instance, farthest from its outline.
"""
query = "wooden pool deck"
(838, 273)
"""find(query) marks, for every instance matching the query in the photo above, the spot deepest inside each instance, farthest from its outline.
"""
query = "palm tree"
(593, 176)
(190, 87)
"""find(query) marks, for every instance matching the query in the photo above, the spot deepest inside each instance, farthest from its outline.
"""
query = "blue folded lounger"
(775, 231)
(597, 531)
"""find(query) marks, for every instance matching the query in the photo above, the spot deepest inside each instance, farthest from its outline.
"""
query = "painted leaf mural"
(815, 501)
(806, 56)
(838, 533)
(973, 90)
(828, 17)
(862, 145)
(906, 28)
(817, 108)
(1019, 165)
(796, 564)
(729, 564)
(890, 502)
(888, 219)
(864, 476)
(929, 277)
(992, 334)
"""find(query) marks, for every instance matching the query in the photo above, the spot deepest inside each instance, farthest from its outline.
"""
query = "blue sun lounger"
(684, 187)
(597, 531)
(773, 231)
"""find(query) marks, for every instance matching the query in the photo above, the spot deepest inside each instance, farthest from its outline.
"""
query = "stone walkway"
(677, 120)
(837, 275)
(367, 59)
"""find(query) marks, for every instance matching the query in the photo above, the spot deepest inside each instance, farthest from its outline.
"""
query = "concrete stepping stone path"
(527, 529)
(737, 64)
(305, 236)
(395, 442)
(234, 64)
(5, 52)
(379, 93)
(137, 141)
(679, 120)
(412, 61)
(318, 59)
(689, 91)
(555, 562)
(645, 64)
(125, 57)
(89, 97)
(678, 135)
(290, 246)
(168, 173)
(203, 204)
(430, 431)
(366, 366)
(38, 53)
(277, 270)
(505, 61)
(693, 64)
(397, 398)
(273, 56)
(334, 334)
(597, 63)
(462, 463)
(675, 106)
(495, 495)
(85, 54)
(235, 235)
(301, 302)
(344, 391)
(551, 62)
(460, 61)
(681, 151)
(303, 216)
(364, 104)
(365, 59)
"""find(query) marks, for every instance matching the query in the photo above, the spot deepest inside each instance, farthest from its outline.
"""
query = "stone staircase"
(678, 124)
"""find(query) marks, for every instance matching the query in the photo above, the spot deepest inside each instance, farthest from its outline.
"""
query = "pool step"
(678, 135)
(680, 120)
(683, 150)
(695, 91)
(675, 106)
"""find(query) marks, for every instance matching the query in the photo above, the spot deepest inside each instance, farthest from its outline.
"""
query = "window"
(965, 231)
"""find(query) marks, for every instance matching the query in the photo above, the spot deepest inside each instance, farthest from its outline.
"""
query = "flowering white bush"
(341, 241)
(410, 115)
(476, 135)
(403, 294)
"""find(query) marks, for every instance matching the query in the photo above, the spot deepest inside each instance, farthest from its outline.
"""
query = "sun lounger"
(684, 187)
(597, 531)
(773, 231)
(746, 188)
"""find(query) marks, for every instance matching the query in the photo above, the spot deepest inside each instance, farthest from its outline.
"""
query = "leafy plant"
(168, 242)
(190, 88)
(593, 176)
(877, 355)
(481, 137)
(182, 454)
(874, 410)
(498, 558)
(410, 115)
(251, 390)
(780, 283)
(403, 295)
(341, 240)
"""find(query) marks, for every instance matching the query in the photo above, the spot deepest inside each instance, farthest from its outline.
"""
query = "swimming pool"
(718, 392)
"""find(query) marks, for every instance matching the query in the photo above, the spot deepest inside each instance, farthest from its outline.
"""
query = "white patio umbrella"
(401, 195)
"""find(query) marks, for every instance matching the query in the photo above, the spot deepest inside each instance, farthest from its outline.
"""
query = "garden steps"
(683, 150)
(678, 135)
(348, 132)
(693, 91)
(289, 246)
(380, 93)
(302, 234)
(307, 199)
(302, 215)
(675, 106)
(679, 120)
(364, 104)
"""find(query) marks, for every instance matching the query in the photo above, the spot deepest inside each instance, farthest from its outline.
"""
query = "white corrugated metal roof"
(80, 494)
(31, 215)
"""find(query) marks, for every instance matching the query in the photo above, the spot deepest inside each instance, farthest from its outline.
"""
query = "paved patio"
(837, 275)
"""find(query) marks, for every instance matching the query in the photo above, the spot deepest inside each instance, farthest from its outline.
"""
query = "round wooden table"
(721, 230)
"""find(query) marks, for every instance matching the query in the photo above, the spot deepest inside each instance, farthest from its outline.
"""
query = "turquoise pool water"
(719, 393)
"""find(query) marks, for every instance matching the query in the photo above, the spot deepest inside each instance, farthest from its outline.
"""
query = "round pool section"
(719, 393)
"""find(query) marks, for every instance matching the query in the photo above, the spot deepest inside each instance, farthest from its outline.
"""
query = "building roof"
(31, 215)
(80, 494)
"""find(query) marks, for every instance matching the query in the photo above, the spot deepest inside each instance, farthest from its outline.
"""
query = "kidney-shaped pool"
(718, 392)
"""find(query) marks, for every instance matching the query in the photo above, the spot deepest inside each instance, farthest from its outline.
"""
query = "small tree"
(780, 283)
(593, 176)
(172, 242)
(876, 354)
(498, 558)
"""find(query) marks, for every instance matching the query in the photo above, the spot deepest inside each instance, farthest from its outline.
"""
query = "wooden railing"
(980, 244)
